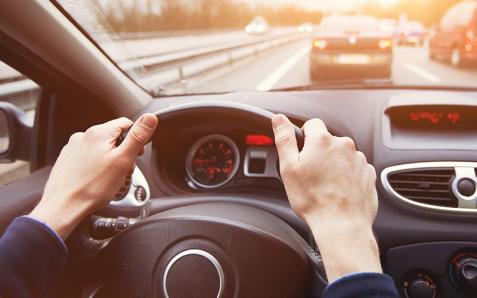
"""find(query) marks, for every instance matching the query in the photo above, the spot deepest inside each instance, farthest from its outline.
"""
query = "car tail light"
(385, 44)
(320, 44)
(470, 35)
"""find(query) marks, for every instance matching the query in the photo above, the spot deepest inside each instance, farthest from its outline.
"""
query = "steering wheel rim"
(250, 113)
(118, 247)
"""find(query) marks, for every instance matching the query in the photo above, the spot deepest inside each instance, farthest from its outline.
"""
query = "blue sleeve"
(357, 285)
(31, 257)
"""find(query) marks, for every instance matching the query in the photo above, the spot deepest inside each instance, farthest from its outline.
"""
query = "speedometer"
(212, 161)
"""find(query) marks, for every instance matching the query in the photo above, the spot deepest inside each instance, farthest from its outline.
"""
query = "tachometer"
(212, 161)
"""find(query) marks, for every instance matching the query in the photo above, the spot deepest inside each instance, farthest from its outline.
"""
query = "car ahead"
(412, 33)
(389, 27)
(350, 45)
(455, 39)
(305, 28)
(258, 26)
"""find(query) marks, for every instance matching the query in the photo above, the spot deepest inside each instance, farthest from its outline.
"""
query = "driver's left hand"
(90, 171)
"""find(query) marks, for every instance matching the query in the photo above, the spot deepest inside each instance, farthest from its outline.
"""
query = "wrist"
(62, 218)
(347, 248)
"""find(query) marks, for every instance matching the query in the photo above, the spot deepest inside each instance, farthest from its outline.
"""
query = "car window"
(466, 13)
(459, 15)
(17, 89)
(449, 20)
(349, 24)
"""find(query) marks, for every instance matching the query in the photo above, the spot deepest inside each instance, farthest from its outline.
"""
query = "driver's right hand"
(332, 187)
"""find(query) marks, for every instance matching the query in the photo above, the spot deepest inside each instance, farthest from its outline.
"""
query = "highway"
(289, 67)
(280, 67)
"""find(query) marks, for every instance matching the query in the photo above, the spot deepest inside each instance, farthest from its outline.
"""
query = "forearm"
(31, 258)
(346, 249)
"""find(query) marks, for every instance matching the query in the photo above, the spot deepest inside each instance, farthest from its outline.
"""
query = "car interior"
(421, 139)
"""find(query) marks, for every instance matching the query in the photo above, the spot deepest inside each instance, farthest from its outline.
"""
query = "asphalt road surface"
(289, 67)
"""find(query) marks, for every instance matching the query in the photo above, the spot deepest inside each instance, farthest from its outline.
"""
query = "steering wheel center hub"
(193, 271)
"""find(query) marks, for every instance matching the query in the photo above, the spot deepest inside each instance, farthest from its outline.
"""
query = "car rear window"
(349, 24)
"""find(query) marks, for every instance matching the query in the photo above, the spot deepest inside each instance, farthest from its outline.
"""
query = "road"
(289, 67)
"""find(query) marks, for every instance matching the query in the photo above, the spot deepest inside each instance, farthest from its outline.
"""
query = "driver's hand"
(332, 187)
(90, 171)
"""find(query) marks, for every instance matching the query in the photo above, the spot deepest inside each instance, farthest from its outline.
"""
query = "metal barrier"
(157, 71)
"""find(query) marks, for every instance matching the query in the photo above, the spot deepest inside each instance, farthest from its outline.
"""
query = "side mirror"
(15, 133)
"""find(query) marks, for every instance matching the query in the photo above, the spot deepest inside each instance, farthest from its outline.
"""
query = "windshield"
(205, 46)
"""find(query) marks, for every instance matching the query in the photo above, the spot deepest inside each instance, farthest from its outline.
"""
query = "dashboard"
(422, 143)
(226, 158)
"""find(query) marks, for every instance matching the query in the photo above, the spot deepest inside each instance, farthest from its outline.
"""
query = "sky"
(313, 4)
(329, 5)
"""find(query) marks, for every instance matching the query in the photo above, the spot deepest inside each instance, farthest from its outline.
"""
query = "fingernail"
(149, 121)
(277, 120)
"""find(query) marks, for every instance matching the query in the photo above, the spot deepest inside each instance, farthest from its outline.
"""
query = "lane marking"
(271, 80)
(423, 73)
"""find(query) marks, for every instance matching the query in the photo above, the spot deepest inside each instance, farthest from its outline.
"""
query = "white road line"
(271, 80)
(423, 73)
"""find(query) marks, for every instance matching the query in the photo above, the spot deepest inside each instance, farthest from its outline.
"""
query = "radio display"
(436, 118)
(432, 117)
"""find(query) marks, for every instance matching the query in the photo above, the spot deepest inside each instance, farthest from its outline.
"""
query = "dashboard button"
(140, 194)
(466, 187)
(420, 285)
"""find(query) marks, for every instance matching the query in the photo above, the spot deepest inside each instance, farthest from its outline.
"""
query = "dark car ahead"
(455, 39)
(350, 46)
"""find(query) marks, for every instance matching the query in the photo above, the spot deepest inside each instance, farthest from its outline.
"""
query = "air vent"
(426, 186)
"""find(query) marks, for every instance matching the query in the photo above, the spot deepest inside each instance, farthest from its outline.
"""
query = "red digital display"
(258, 140)
(436, 118)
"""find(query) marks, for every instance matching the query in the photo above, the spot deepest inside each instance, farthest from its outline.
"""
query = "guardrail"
(160, 70)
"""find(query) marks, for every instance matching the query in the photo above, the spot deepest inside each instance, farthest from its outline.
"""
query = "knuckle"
(92, 132)
(283, 139)
(313, 123)
(138, 135)
(125, 120)
(288, 169)
(316, 121)
(325, 138)
(361, 156)
(75, 137)
(348, 143)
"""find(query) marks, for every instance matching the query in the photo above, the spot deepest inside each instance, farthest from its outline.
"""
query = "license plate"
(353, 59)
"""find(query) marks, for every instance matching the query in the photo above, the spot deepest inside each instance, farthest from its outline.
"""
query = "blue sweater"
(32, 256)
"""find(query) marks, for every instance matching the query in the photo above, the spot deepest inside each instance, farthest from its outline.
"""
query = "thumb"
(139, 135)
(285, 140)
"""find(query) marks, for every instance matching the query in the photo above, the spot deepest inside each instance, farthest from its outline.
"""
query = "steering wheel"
(217, 249)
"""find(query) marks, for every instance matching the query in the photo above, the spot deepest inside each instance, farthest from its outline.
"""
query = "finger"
(361, 157)
(139, 135)
(315, 132)
(122, 123)
(133, 167)
(109, 130)
(285, 140)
